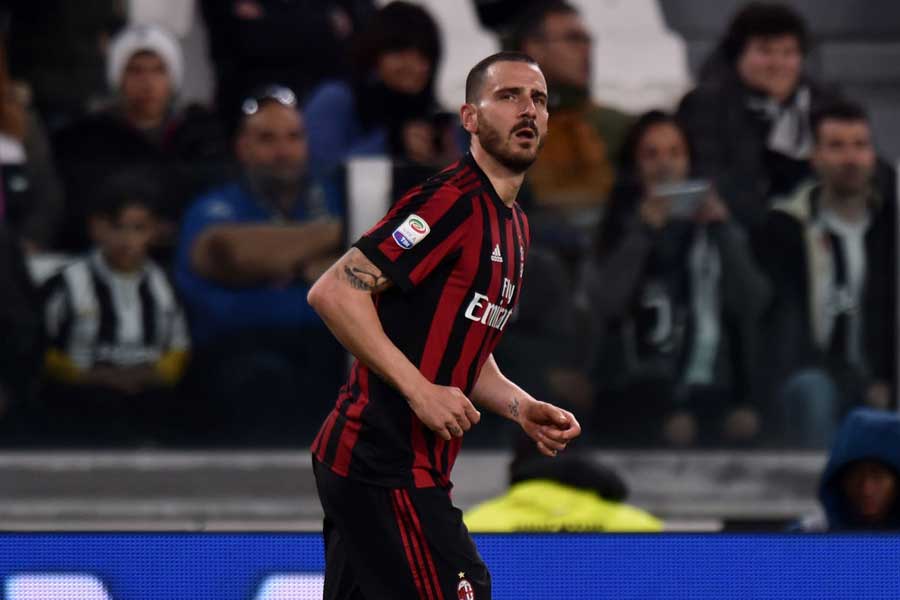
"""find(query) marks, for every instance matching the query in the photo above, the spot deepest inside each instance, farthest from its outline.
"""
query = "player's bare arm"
(343, 298)
(552, 428)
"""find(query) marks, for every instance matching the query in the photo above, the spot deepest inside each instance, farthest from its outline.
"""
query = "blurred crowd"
(720, 273)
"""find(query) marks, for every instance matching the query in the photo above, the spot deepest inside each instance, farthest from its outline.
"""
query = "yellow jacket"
(546, 505)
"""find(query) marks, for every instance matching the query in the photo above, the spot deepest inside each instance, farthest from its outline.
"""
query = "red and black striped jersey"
(455, 253)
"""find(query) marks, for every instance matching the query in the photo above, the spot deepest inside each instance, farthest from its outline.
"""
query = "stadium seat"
(175, 15)
(881, 102)
(835, 18)
(638, 63)
(860, 62)
(368, 187)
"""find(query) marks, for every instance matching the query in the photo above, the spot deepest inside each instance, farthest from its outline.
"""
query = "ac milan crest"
(464, 590)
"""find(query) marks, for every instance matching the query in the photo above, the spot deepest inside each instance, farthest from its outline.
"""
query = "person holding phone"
(675, 297)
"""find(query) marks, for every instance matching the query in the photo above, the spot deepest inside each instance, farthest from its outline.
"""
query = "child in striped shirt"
(117, 337)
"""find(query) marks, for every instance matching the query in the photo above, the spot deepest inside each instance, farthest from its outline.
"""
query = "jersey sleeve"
(425, 228)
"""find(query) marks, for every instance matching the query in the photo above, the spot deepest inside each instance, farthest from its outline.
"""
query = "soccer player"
(421, 300)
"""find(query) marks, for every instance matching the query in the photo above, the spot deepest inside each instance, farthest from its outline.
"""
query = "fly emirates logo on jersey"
(483, 311)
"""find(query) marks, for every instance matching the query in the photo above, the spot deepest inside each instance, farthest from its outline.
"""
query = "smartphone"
(684, 197)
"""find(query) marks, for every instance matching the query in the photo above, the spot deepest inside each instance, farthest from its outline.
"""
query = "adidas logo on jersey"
(495, 255)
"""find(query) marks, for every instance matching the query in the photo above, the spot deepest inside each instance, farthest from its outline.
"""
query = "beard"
(499, 145)
(850, 180)
(275, 180)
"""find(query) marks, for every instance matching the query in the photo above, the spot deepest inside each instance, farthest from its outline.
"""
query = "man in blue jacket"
(859, 487)
(247, 255)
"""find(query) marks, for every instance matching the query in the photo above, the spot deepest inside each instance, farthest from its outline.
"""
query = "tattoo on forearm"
(363, 280)
(514, 408)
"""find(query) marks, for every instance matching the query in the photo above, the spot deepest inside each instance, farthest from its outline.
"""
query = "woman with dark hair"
(675, 296)
(749, 114)
(388, 105)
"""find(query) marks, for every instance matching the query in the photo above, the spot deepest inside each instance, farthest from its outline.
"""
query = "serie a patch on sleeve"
(412, 231)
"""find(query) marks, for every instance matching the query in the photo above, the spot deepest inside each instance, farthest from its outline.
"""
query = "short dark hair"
(530, 24)
(763, 19)
(838, 110)
(475, 79)
(131, 187)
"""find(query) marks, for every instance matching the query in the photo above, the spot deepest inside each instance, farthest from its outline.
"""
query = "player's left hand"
(551, 427)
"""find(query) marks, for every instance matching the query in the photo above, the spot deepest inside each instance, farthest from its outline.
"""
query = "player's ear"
(468, 116)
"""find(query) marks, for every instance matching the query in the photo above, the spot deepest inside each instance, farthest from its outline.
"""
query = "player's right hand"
(444, 410)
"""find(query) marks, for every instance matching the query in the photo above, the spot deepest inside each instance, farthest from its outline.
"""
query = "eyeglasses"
(276, 93)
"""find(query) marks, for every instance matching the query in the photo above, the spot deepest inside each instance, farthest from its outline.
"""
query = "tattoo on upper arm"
(361, 279)
(514, 408)
(362, 275)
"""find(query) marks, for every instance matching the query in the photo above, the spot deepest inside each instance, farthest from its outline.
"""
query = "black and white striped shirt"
(96, 316)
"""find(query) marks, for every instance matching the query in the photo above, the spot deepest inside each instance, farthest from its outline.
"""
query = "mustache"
(525, 124)
(851, 170)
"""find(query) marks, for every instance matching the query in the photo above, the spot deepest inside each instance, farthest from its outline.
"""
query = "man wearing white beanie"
(145, 67)
(184, 149)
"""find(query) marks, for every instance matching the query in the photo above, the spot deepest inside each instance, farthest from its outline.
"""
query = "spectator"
(749, 114)
(295, 42)
(576, 168)
(677, 298)
(388, 106)
(143, 130)
(30, 195)
(247, 255)
(21, 331)
(860, 484)
(568, 493)
(58, 47)
(117, 337)
(830, 252)
(571, 180)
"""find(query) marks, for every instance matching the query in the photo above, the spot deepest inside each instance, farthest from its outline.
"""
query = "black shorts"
(383, 543)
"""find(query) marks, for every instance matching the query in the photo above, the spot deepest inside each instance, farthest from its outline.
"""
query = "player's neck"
(506, 182)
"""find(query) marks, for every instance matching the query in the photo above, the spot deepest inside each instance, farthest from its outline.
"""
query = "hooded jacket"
(866, 434)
